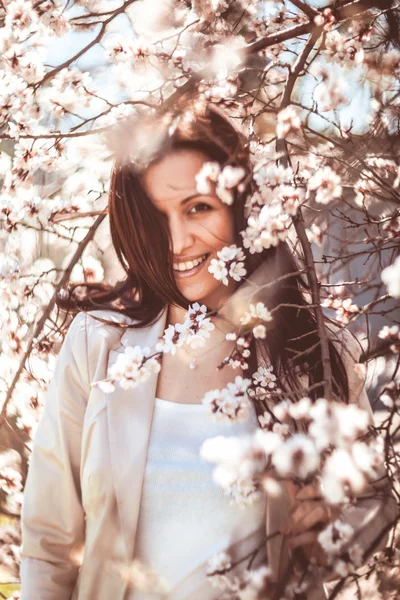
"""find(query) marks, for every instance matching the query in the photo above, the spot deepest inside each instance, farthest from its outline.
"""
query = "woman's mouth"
(191, 267)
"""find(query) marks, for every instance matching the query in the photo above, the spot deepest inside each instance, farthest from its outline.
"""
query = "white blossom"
(341, 477)
(335, 536)
(219, 562)
(265, 229)
(240, 464)
(288, 120)
(10, 480)
(230, 262)
(207, 176)
(296, 457)
(132, 367)
(256, 311)
(326, 184)
(194, 331)
(229, 404)
(391, 278)
(228, 180)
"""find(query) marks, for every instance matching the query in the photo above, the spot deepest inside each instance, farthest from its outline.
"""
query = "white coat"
(83, 491)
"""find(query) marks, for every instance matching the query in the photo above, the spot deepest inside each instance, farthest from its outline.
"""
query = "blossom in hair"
(131, 368)
(229, 404)
(228, 180)
(207, 176)
(230, 262)
(225, 181)
(326, 184)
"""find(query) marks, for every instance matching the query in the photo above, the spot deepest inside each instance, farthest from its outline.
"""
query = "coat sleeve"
(53, 524)
(376, 509)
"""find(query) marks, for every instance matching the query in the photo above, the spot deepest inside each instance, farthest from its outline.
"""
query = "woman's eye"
(200, 207)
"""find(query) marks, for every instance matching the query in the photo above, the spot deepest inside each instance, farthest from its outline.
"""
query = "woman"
(117, 476)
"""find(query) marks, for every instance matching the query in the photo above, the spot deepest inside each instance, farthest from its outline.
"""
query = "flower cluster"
(241, 462)
(259, 314)
(326, 184)
(229, 404)
(241, 352)
(348, 51)
(194, 331)
(263, 383)
(325, 19)
(132, 367)
(288, 120)
(278, 197)
(265, 229)
(224, 181)
(345, 309)
(230, 262)
(250, 585)
(122, 49)
(331, 446)
(335, 540)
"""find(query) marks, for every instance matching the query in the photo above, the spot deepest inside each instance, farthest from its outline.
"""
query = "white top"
(185, 518)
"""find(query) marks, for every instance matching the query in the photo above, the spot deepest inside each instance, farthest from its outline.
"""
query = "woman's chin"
(197, 292)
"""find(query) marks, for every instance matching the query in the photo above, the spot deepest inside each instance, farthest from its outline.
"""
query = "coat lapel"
(130, 414)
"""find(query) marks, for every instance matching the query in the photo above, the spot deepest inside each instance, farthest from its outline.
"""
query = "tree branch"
(40, 324)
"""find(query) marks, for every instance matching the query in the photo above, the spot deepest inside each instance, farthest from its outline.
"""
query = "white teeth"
(186, 266)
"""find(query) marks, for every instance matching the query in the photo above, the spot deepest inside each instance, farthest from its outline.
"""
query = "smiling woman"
(125, 459)
(199, 225)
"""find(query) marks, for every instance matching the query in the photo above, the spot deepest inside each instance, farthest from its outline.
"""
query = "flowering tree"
(316, 90)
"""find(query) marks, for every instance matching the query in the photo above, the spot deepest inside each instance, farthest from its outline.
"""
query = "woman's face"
(200, 225)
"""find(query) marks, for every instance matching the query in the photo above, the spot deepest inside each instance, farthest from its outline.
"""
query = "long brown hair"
(142, 242)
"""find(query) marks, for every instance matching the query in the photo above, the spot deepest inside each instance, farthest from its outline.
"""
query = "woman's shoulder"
(99, 325)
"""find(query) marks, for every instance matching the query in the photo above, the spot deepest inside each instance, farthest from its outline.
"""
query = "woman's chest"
(177, 382)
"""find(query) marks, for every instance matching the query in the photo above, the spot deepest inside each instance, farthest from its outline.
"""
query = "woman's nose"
(181, 235)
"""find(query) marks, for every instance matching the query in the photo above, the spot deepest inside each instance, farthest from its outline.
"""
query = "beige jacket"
(83, 490)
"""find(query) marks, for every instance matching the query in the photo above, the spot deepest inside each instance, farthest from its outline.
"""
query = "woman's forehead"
(173, 176)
